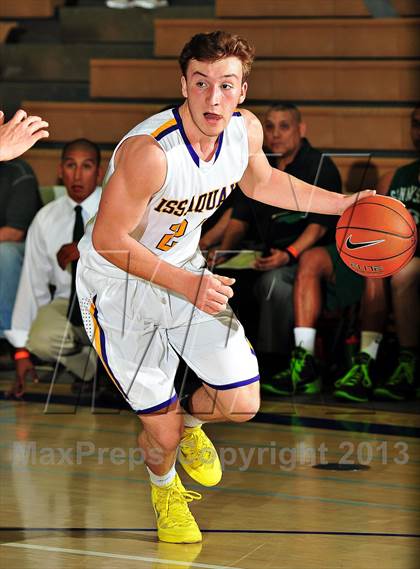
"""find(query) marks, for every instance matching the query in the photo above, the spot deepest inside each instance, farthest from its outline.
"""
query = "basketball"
(376, 236)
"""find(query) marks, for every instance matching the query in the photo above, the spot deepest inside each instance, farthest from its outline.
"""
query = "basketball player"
(19, 134)
(145, 295)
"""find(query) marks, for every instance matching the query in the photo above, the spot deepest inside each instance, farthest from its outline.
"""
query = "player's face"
(415, 129)
(282, 133)
(80, 173)
(213, 91)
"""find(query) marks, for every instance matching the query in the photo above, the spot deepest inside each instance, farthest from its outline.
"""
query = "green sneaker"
(400, 385)
(279, 384)
(356, 385)
(302, 377)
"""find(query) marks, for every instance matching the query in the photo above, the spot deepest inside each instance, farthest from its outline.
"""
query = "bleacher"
(329, 126)
(309, 38)
(29, 8)
(306, 8)
(354, 76)
(319, 81)
(5, 29)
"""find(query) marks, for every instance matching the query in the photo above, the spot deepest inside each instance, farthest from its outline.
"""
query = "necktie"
(74, 314)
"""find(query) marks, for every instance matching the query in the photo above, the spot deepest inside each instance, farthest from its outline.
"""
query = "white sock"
(305, 338)
(164, 479)
(369, 343)
(191, 421)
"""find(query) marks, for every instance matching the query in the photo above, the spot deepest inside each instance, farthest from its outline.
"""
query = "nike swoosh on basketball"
(351, 245)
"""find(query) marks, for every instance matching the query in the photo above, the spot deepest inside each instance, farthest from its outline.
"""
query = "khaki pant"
(53, 338)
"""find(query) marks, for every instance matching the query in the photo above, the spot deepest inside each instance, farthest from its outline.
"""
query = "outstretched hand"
(20, 133)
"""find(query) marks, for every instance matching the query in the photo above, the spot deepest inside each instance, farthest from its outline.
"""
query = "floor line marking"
(205, 530)
(114, 555)
(250, 553)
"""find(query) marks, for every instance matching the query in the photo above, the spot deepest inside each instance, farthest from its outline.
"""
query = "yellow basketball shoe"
(175, 522)
(199, 457)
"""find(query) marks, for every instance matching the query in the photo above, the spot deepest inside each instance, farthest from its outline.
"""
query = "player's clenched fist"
(212, 293)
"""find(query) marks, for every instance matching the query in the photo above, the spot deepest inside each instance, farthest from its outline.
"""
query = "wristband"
(21, 355)
(293, 251)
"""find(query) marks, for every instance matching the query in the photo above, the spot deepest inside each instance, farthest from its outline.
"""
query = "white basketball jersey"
(193, 189)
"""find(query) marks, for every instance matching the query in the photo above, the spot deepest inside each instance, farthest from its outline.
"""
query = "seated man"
(283, 235)
(322, 280)
(39, 322)
(19, 202)
(357, 384)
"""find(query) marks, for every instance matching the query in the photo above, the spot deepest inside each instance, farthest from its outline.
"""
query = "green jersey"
(405, 186)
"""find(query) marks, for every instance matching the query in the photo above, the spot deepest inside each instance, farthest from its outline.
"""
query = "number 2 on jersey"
(178, 230)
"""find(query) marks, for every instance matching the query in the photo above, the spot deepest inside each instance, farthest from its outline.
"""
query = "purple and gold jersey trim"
(99, 343)
(233, 385)
(165, 128)
(219, 146)
(187, 143)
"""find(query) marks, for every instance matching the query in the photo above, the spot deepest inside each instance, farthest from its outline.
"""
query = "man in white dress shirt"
(39, 323)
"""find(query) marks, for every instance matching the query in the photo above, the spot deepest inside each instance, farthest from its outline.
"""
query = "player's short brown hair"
(217, 45)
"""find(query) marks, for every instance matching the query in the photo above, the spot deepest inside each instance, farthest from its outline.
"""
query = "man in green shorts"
(322, 281)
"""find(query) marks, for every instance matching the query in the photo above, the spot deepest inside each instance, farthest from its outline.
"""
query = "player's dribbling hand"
(357, 196)
(213, 293)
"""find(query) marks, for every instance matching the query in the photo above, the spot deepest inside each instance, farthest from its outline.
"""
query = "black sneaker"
(302, 376)
(400, 385)
(356, 385)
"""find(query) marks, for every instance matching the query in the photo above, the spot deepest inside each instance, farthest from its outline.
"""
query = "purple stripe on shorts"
(103, 353)
(157, 407)
(233, 385)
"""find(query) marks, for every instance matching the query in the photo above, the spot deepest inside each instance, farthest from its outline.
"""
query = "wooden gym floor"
(72, 495)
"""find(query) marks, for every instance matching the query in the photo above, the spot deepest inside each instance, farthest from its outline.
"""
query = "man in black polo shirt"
(282, 235)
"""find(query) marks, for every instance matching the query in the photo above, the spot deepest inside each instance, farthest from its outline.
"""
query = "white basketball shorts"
(140, 330)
